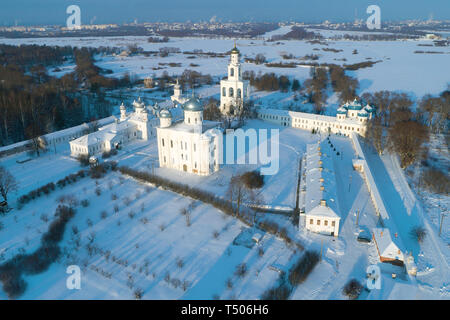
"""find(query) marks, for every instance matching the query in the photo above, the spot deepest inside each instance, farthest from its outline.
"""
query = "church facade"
(193, 145)
(350, 117)
(139, 125)
(233, 90)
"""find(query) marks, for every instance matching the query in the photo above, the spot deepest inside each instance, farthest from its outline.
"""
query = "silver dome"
(193, 104)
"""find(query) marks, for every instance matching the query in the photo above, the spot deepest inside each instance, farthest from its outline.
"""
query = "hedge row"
(40, 260)
(227, 207)
(185, 190)
(94, 172)
(300, 271)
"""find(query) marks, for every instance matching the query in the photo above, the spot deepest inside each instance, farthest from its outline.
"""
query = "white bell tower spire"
(233, 90)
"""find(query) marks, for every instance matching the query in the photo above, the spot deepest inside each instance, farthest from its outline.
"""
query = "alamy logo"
(257, 148)
(74, 20)
(373, 277)
(374, 21)
(74, 280)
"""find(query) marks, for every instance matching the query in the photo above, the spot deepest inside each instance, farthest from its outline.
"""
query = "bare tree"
(239, 193)
(260, 58)
(7, 183)
(375, 134)
(406, 138)
(38, 142)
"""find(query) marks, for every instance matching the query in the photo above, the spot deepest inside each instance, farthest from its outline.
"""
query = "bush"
(138, 294)
(38, 261)
(85, 203)
(13, 285)
(300, 271)
(418, 233)
(83, 159)
(241, 270)
(107, 154)
(253, 179)
(180, 263)
(281, 292)
(352, 289)
(436, 181)
(56, 229)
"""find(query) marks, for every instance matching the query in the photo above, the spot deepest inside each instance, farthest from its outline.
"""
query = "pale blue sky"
(26, 12)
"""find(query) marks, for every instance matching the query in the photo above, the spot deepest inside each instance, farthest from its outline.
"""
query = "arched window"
(224, 91)
(231, 92)
(232, 72)
(239, 93)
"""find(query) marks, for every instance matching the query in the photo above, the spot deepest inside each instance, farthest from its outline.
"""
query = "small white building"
(193, 145)
(233, 90)
(351, 117)
(388, 250)
(137, 125)
(320, 200)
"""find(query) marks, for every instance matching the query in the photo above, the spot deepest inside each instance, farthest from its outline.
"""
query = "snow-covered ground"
(400, 68)
(141, 245)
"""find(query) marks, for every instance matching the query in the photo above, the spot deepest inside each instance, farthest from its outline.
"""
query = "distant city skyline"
(53, 12)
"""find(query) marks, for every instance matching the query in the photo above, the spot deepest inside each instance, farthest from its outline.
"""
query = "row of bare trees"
(315, 88)
(396, 127)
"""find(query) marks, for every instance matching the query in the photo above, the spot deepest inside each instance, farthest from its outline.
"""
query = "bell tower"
(233, 90)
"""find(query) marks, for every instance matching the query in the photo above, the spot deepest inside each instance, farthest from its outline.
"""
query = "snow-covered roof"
(355, 105)
(320, 198)
(363, 113)
(342, 110)
(387, 248)
(305, 115)
(190, 128)
(164, 113)
(106, 133)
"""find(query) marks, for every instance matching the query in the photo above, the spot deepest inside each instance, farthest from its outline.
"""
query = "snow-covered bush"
(241, 270)
(418, 233)
(83, 160)
(352, 289)
(280, 292)
(300, 271)
(39, 261)
(138, 294)
(253, 179)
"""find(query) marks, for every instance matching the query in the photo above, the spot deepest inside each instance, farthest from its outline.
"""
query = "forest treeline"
(33, 103)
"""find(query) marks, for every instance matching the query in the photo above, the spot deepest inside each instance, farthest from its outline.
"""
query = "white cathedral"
(193, 145)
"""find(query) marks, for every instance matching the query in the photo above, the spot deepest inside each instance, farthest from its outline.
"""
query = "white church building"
(138, 125)
(193, 145)
(233, 90)
(350, 117)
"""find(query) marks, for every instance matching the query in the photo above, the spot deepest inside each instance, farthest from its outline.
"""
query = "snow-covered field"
(140, 245)
(400, 68)
(133, 236)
